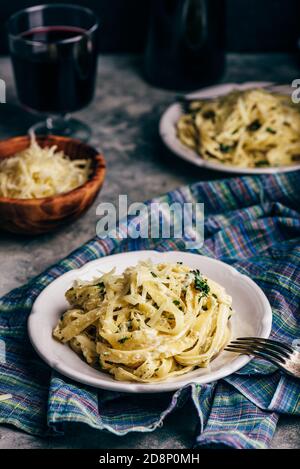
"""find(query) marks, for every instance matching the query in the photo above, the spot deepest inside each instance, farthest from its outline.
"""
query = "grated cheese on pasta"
(254, 128)
(153, 322)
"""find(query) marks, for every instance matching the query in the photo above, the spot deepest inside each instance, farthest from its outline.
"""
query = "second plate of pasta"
(249, 128)
(147, 321)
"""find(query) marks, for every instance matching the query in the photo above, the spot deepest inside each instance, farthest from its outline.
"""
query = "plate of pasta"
(251, 128)
(147, 321)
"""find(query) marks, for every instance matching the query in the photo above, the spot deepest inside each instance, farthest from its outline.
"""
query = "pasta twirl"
(152, 322)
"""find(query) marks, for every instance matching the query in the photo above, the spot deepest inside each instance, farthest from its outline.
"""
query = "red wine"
(56, 74)
(52, 34)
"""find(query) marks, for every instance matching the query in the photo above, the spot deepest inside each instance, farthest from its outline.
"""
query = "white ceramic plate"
(253, 318)
(167, 130)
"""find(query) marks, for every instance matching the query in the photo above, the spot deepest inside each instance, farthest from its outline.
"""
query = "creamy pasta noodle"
(254, 128)
(153, 322)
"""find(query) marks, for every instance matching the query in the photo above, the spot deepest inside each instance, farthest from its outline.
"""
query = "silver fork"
(185, 101)
(282, 355)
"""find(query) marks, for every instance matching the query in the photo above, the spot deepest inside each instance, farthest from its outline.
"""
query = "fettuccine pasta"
(254, 128)
(153, 322)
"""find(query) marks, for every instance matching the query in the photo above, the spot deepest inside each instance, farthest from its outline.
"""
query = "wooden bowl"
(36, 216)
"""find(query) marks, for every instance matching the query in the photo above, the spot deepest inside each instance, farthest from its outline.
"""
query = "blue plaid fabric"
(252, 223)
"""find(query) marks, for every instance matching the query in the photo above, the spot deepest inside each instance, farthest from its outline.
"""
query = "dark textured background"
(252, 25)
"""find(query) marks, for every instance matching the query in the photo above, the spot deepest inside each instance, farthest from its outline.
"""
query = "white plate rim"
(119, 386)
(168, 134)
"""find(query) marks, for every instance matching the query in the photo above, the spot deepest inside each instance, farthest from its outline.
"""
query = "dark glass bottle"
(186, 43)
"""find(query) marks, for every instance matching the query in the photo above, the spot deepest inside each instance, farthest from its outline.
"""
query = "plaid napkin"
(252, 223)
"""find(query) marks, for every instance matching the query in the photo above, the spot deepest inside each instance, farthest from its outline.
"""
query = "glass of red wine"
(54, 57)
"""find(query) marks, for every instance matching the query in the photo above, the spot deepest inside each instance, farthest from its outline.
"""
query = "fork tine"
(259, 349)
(261, 340)
(181, 98)
(264, 347)
(185, 100)
(184, 103)
(256, 353)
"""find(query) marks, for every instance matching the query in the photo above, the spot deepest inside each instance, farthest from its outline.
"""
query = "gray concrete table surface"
(124, 117)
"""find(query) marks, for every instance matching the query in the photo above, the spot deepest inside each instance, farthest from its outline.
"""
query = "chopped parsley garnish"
(177, 303)
(226, 148)
(153, 274)
(121, 341)
(270, 130)
(262, 163)
(200, 283)
(101, 286)
(100, 364)
(255, 125)
(214, 295)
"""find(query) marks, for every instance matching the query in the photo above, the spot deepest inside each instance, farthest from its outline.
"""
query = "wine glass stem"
(57, 123)
(63, 125)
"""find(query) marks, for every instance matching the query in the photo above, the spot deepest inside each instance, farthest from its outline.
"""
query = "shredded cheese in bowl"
(41, 172)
